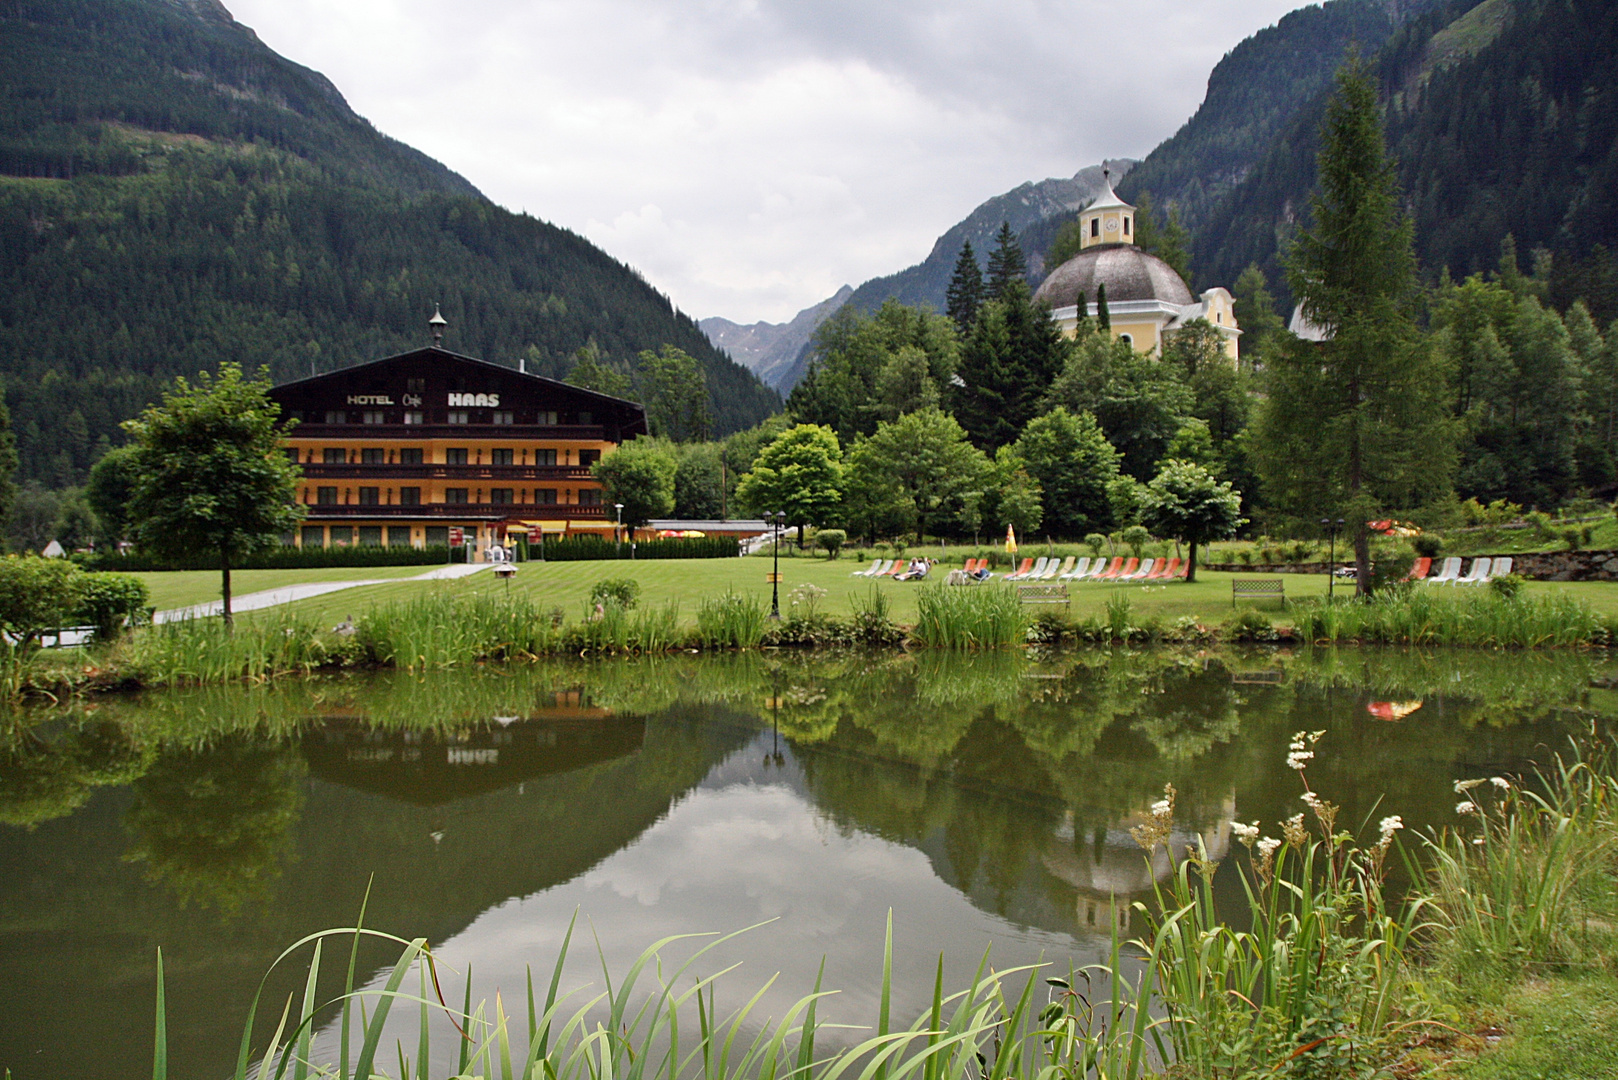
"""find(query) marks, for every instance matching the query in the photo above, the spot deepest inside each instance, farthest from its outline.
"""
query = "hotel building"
(401, 450)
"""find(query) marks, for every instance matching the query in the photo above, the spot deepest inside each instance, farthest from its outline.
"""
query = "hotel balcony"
(395, 433)
(365, 474)
(457, 511)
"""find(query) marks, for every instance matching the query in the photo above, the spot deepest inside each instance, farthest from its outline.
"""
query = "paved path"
(288, 593)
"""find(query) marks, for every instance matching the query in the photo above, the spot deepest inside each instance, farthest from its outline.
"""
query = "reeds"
(1434, 616)
(984, 617)
(194, 652)
(730, 621)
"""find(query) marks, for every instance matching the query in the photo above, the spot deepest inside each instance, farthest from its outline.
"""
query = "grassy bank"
(1499, 963)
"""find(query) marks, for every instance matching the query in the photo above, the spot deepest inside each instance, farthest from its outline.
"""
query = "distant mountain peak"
(769, 350)
(206, 10)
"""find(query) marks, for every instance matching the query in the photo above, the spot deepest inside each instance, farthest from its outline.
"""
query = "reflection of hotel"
(1110, 873)
(399, 451)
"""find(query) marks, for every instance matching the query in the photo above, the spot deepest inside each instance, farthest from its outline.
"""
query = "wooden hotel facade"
(399, 451)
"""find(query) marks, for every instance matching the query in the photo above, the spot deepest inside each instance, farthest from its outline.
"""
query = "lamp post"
(776, 519)
(618, 530)
(1331, 528)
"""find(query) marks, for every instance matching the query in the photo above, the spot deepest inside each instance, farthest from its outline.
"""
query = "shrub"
(110, 602)
(1391, 573)
(832, 540)
(872, 624)
(1246, 556)
(1095, 542)
(282, 558)
(1507, 586)
(37, 596)
(1250, 625)
(1137, 537)
(1428, 545)
(1571, 537)
(619, 592)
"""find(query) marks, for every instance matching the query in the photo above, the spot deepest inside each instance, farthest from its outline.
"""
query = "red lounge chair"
(1419, 571)
(1185, 568)
(1114, 568)
(899, 567)
(970, 566)
(1115, 571)
(1165, 570)
(1027, 565)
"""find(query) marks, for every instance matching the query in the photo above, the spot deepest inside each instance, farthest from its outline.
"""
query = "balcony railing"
(451, 511)
(362, 473)
(309, 429)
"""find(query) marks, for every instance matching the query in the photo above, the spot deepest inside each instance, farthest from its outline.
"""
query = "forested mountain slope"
(174, 194)
(1503, 117)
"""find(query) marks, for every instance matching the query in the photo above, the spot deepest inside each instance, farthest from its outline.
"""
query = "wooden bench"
(1258, 587)
(1042, 594)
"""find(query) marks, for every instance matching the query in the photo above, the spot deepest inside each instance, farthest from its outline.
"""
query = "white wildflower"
(1391, 825)
(1161, 807)
(1245, 833)
(1500, 782)
(1299, 758)
(1478, 841)
(1268, 846)
(1311, 800)
(1466, 806)
(1463, 786)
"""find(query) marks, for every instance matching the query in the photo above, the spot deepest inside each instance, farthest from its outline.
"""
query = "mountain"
(769, 349)
(1502, 117)
(174, 194)
(1253, 96)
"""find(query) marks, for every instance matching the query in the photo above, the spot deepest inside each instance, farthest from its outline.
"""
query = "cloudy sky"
(751, 156)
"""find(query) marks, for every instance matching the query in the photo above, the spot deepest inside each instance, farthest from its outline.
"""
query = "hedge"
(284, 558)
(592, 547)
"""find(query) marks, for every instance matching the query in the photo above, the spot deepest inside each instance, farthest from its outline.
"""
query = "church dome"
(1128, 272)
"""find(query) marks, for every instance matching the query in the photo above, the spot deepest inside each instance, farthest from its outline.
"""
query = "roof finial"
(1106, 173)
(436, 324)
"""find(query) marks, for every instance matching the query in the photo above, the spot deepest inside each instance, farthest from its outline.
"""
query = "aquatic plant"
(1436, 616)
(731, 621)
(982, 617)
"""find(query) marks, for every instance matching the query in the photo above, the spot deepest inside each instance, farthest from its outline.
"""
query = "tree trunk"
(1191, 562)
(224, 584)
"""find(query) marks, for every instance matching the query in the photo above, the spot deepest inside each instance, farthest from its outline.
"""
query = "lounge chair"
(1501, 568)
(1478, 575)
(1098, 568)
(899, 567)
(1184, 571)
(1420, 569)
(1164, 569)
(1054, 569)
(1122, 572)
(1027, 575)
(869, 571)
(1447, 573)
(1013, 575)
(1141, 571)
(1078, 571)
(1111, 570)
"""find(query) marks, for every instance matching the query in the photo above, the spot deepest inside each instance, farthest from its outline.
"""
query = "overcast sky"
(751, 156)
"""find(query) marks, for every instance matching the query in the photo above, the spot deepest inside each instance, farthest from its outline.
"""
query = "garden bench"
(1042, 594)
(1258, 587)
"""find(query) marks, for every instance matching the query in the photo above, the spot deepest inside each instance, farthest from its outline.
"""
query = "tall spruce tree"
(965, 293)
(1356, 425)
(1007, 263)
(1011, 359)
(1103, 316)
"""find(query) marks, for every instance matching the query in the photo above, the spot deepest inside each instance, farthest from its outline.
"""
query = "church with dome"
(1147, 301)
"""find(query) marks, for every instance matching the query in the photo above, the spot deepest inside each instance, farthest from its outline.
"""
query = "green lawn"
(1563, 1028)
(182, 588)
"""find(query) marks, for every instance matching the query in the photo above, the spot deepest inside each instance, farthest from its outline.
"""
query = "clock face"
(1112, 226)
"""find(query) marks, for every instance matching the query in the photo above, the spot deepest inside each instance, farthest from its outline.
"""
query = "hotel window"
(547, 419)
(502, 419)
(500, 496)
(410, 496)
(458, 416)
(373, 416)
(410, 455)
(501, 456)
(370, 536)
(544, 457)
(374, 455)
(589, 457)
(437, 535)
(326, 496)
(455, 496)
(416, 386)
(370, 496)
(413, 417)
(342, 535)
(336, 416)
(545, 496)
(455, 455)
(334, 455)
(590, 497)
(398, 536)
(314, 536)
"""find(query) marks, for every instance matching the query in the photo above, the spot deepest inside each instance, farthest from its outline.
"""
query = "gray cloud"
(750, 156)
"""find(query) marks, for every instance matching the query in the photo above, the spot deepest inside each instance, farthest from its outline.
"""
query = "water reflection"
(986, 800)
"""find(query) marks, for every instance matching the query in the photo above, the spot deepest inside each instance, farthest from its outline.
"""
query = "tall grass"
(731, 621)
(193, 652)
(984, 617)
(1434, 616)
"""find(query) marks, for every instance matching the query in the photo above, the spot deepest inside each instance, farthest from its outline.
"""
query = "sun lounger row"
(1481, 572)
(1075, 568)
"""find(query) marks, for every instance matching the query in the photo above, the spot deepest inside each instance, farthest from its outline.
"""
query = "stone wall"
(1539, 566)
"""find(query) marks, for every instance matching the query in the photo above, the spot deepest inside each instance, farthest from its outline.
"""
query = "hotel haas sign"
(401, 450)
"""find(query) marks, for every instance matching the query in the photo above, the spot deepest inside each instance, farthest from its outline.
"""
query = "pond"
(986, 801)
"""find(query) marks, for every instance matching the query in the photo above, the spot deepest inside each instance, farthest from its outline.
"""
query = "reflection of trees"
(1192, 709)
(214, 824)
(46, 778)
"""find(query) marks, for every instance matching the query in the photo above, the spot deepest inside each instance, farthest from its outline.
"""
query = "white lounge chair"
(1501, 568)
(1447, 575)
(1140, 572)
(1039, 568)
(1056, 567)
(1078, 571)
(1097, 568)
(869, 570)
(1478, 575)
(883, 568)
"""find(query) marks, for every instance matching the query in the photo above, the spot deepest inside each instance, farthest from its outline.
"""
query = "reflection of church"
(1110, 871)
(1147, 301)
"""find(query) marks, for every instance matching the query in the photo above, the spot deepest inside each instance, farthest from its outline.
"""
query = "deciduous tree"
(800, 474)
(1186, 502)
(1073, 462)
(639, 474)
(912, 475)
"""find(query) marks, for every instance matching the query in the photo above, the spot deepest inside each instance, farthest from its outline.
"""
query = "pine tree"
(1007, 264)
(1357, 425)
(965, 293)
(1103, 316)
(1168, 242)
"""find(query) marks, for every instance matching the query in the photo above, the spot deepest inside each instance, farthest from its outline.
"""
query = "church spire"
(1107, 220)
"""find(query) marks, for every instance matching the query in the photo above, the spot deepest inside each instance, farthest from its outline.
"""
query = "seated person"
(916, 570)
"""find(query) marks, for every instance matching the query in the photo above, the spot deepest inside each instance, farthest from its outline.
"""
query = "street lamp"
(776, 519)
(1331, 528)
(618, 530)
